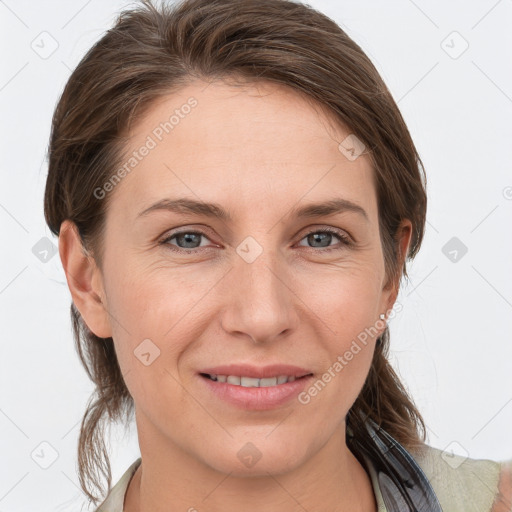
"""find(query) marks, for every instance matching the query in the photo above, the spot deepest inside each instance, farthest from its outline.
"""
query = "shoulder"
(463, 484)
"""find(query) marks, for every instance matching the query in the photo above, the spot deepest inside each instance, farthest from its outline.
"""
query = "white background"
(451, 343)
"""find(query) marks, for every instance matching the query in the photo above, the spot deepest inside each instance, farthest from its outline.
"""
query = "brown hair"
(154, 50)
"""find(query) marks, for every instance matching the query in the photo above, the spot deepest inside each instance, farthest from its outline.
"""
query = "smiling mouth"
(251, 382)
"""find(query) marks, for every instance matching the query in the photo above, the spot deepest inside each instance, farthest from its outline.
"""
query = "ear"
(84, 280)
(403, 238)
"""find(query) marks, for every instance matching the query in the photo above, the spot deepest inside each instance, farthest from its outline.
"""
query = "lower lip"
(259, 399)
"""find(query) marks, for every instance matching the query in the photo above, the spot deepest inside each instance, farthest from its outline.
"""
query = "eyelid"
(165, 239)
(346, 240)
(200, 229)
(329, 229)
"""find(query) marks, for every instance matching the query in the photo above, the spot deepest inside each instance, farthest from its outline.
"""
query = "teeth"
(271, 381)
(251, 382)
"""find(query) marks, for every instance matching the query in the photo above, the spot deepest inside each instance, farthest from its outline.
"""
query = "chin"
(256, 456)
(262, 468)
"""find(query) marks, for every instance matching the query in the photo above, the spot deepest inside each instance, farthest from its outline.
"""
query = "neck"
(171, 480)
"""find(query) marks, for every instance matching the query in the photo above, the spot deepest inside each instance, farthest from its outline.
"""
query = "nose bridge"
(259, 272)
(260, 303)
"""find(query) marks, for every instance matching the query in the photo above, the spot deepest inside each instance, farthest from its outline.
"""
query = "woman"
(236, 194)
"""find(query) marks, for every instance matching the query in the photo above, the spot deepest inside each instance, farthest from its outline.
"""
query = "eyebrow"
(214, 210)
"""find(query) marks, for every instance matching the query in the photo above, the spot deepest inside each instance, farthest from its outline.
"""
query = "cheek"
(348, 309)
(347, 358)
(154, 321)
(346, 299)
(152, 303)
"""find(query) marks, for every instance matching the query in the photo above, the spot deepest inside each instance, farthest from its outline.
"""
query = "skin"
(259, 151)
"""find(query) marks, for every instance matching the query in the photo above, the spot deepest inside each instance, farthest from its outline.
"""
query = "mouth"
(255, 388)
(255, 393)
(253, 382)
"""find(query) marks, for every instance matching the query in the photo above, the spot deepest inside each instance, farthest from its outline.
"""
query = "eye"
(324, 236)
(186, 240)
(190, 241)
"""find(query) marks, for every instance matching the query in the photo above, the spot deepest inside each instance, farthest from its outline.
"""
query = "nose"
(261, 303)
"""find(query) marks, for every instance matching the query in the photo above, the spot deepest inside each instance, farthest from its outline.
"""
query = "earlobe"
(84, 280)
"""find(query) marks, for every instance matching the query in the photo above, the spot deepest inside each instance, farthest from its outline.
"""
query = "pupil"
(318, 237)
(189, 239)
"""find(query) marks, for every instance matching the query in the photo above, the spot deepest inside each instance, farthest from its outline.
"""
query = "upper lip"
(257, 372)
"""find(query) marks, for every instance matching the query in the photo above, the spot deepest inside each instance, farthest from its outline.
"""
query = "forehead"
(251, 144)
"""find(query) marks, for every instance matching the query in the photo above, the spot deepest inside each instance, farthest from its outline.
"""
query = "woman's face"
(186, 290)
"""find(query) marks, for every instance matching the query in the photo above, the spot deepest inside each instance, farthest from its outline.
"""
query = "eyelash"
(344, 240)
